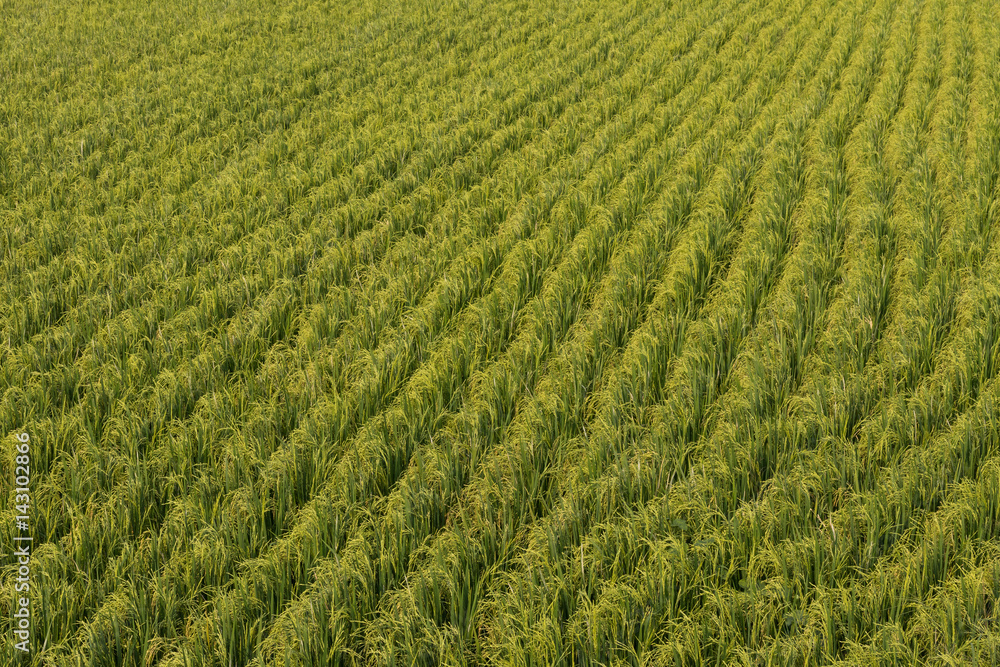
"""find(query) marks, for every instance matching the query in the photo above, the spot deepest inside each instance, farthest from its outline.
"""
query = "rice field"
(512, 333)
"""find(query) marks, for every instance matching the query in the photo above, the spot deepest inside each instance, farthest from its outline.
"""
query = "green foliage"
(513, 333)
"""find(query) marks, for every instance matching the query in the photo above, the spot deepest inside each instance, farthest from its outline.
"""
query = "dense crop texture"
(503, 333)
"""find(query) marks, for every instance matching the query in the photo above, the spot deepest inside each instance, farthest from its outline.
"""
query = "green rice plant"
(503, 333)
